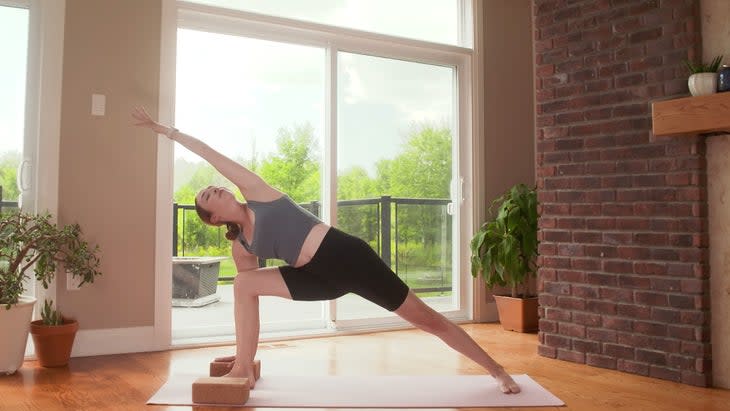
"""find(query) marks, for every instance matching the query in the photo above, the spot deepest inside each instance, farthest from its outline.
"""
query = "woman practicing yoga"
(324, 263)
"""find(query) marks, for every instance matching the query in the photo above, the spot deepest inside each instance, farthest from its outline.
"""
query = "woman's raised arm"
(252, 186)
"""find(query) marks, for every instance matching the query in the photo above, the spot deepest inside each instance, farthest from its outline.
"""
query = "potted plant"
(504, 250)
(703, 77)
(33, 242)
(53, 336)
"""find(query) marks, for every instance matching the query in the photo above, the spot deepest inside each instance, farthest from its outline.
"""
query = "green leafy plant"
(504, 249)
(712, 67)
(33, 241)
(49, 315)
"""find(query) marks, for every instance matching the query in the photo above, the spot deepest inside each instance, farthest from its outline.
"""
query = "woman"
(323, 262)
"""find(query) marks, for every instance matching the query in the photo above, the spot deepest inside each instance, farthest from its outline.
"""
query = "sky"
(235, 92)
(13, 46)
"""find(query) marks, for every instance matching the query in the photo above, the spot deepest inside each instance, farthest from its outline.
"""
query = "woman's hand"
(144, 120)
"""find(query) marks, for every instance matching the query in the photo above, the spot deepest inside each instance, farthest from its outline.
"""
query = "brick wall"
(623, 268)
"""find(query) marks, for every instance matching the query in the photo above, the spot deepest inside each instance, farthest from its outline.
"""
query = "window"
(430, 20)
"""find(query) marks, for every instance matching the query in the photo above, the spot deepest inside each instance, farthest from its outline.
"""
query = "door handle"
(22, 178)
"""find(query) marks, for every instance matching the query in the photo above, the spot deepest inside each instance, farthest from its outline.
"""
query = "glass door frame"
(333, 40)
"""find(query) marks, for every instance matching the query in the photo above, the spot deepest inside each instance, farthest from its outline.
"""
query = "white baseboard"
(115, 341)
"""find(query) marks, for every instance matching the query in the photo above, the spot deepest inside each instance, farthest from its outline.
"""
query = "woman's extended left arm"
(252, 186)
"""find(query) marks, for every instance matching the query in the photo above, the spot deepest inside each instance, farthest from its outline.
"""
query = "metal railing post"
(174, 229)
(385, 229)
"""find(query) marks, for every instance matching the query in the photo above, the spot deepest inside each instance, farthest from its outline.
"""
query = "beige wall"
(716, 41)
(107, 167)
(508, 111)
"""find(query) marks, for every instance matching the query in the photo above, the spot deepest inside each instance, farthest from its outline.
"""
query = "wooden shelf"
(691, 115)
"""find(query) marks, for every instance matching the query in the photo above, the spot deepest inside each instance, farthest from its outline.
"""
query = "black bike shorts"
(345, 264)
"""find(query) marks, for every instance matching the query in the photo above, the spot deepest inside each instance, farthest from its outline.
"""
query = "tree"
(423, 170)
(295, 168)
(9, 162)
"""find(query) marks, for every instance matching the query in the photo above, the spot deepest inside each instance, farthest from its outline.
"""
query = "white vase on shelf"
(702, 84)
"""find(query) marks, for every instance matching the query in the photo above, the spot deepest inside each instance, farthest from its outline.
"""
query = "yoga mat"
(451, 391)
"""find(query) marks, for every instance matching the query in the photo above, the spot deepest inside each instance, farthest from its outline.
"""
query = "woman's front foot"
(243, 372)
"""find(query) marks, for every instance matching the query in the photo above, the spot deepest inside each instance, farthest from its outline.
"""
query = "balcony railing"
(4, 205)
(382, 227)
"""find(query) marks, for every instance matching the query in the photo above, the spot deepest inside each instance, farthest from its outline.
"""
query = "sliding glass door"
(367, 133)
(395, 151)
(260, 102)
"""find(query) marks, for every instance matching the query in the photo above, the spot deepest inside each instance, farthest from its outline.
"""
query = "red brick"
(664, 373)
(587, 319)
(634, 311)
(618, 351)
(587, 264)
(571, 303)
(557, 341)
(650, 328)
(665, 284)
(681, 362)
(681, 332)
(545, 351)
(651, 298)
(584, 291)
(557, 314)
(633, 367)
(615, 323)
(572, 356)
(570, 276)
(571, 330)
(667, 316)
(602, 307)
(617, 294)
(585, 346)
(601, 361)
(602, 279)
(601, 334)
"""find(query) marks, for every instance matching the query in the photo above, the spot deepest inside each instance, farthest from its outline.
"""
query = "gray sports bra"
(280, 229)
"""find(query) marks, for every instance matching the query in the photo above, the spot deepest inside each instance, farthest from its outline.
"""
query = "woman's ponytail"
(233, 231)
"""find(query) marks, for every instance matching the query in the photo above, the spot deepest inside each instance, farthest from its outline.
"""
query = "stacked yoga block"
(217, 389)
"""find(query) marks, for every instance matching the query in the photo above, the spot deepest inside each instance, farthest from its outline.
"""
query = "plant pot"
(517, 314)
(702, 84)
(53, 343)
(14, 324)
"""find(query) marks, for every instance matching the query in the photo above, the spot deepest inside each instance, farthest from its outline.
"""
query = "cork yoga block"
(220, 390)
(221, 368)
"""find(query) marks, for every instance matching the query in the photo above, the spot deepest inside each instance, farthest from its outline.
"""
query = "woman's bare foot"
(506, 383)
(242, 372)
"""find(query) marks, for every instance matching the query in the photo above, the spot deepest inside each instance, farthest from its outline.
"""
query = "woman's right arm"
(252, 186)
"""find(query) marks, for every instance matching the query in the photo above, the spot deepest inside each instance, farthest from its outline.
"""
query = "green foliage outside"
(421, 244)
(9, 162)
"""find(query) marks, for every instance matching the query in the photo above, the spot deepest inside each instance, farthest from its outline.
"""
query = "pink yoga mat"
(451, 391)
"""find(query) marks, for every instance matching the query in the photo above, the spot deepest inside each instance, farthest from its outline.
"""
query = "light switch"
(98, 104)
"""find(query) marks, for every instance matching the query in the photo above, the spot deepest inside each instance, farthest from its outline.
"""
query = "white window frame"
(333, 39)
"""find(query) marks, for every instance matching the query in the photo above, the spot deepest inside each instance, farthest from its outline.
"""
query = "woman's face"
(217, 201)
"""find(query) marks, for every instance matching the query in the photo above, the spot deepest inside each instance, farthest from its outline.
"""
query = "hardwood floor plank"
(126, 382)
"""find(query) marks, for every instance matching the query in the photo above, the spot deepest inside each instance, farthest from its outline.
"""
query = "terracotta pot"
(53, 343)
(517, 314)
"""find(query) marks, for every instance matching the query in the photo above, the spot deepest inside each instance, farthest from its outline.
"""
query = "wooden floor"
(126, 382)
